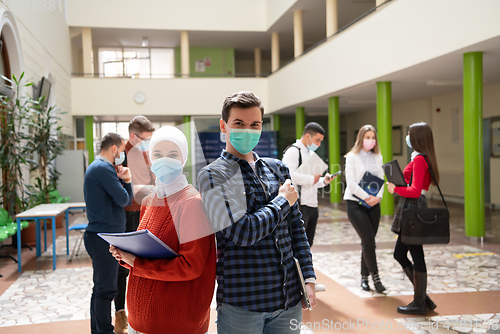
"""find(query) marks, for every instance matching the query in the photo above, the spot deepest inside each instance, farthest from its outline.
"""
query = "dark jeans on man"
(133, 219)
(104, 291)
(310, 217)
(365, 221)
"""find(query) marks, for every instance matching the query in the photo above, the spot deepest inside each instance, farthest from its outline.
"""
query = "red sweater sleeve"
(192, 257)
(420, 169)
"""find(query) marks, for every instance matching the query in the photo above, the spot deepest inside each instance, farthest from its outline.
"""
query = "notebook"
(394, 174)
(141, 243)
(303, 289)
(372, 185)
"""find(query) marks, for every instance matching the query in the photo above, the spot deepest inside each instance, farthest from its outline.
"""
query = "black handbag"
(426, 226)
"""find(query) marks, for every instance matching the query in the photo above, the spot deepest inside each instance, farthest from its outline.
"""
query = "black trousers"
(105, 269)
(133, 219)
(417, 254)
(310, 217)
(365, 221)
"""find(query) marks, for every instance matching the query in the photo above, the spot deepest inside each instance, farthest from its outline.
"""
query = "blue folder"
(372, 185)
(141, 243)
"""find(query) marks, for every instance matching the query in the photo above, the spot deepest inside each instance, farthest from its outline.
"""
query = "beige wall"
(194, 96)
(449, 152)
(46, 52)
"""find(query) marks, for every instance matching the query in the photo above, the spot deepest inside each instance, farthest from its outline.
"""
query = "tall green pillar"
(334, 147)
(473, 144)
(89, 137)
(384, 135)
(300, 121)
(276, 122)
(186, 122)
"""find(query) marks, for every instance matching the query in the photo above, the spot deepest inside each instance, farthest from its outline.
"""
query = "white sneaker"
(320, 287)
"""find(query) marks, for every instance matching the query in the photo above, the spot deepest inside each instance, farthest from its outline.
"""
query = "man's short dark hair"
(140, 124)
(313, 128)
(242, 100)
(111, 139)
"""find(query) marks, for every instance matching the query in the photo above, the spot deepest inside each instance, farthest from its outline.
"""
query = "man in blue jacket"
(108, 190)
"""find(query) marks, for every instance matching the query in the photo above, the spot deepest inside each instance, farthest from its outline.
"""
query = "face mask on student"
(313, 147)
(120, 159)
(369, 144)
(167, 170)
(144, 145)
(408, 141)
(244, 140)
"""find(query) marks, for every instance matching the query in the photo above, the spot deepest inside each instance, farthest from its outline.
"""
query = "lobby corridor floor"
(463, 280)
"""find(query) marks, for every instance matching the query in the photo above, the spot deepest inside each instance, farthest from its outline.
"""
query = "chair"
(81, 228)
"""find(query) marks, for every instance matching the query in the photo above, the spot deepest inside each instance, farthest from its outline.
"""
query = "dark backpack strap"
(299, 188)
(273, 166)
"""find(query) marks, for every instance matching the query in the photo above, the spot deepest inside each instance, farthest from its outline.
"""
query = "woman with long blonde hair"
(365, 157)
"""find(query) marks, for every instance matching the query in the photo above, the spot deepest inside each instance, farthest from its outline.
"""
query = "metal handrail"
(173, 75)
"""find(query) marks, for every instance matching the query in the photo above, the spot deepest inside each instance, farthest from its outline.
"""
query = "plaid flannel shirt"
(255, 266)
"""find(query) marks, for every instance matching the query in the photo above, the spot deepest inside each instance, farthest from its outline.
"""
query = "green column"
(384, 135)
(473, 144)
(276, 122)
(89, 137)
(186, 120)
(300, 121)
(334, 147)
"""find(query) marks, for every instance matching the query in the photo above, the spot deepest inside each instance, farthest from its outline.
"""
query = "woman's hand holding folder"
(120, 255)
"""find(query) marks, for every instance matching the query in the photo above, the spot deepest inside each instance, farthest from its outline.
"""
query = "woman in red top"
(418, 176)
(171, 296)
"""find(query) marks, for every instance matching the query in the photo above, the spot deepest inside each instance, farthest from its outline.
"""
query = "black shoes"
(428, 302)
(364, 283)
(418, 305)
(378, 285)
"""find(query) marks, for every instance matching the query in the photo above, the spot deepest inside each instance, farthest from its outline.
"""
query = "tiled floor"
(464, 281)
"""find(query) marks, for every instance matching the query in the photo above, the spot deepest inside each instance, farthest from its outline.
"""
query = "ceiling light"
(145, 42)
(444, 82)
(361, 102)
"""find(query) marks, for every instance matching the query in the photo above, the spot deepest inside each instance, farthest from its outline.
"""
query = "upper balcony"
(388, 43)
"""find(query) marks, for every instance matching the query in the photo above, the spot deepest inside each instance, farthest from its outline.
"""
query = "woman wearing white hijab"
(171, 296)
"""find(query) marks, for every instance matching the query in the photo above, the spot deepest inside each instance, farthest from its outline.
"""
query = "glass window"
(162, 63)
(122, 129)
(136, 62)
(107, 128)
(110, 62)
(80, 127)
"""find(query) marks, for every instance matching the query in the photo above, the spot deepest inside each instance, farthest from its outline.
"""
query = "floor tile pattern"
(450, 269)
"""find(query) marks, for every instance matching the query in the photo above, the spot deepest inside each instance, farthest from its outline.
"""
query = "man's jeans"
(104, 291)
(232, 319)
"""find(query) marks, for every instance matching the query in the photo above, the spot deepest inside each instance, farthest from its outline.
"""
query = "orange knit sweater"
(173, 296)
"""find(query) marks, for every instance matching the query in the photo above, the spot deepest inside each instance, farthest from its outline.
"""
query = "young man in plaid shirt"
(258, 285)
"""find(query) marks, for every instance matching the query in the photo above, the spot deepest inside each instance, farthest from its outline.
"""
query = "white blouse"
(355, 167)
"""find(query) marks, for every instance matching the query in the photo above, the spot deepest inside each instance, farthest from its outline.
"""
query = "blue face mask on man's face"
(244, 140)
(144, 145)
(120, 159)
